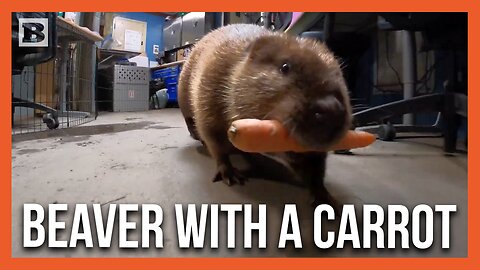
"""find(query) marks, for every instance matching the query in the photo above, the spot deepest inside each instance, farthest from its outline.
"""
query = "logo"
(131, 93)
(32, 32)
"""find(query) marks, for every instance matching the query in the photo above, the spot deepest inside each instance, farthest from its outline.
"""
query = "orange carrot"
(253, 135)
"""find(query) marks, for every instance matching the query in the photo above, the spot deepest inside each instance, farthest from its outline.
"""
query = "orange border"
(6, 262)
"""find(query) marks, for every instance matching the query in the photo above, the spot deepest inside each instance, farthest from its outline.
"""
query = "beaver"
(246, 71)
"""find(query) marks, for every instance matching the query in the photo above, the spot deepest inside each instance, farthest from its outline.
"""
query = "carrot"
(253, 135)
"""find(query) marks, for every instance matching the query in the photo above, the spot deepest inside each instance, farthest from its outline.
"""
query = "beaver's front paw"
(229, 175)
(324, 197)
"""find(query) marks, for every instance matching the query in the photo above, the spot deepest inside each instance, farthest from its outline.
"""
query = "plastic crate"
(130, 88)
(166, 72)
(172, 92)
(171, 80)
(170, 76)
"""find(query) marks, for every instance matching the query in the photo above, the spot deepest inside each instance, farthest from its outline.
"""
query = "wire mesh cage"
(55, 94)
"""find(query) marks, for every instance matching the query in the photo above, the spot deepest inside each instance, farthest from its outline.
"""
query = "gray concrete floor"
(148, 157)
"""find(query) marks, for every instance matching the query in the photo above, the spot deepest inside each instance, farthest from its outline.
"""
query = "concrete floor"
(148, 157)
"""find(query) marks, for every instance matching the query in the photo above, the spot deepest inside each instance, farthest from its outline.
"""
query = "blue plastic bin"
(170, 77)
(172, 92)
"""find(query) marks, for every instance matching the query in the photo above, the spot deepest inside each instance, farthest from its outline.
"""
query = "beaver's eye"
(285, 68)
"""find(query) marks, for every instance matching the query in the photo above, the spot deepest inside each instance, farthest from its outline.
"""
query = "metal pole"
(95, 27)
(222, 19)
(409, 60)
(264, 19)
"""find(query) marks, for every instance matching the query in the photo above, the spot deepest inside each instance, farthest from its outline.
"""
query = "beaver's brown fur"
(245, 71)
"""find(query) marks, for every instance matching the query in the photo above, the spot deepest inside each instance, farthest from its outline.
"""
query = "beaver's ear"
(264, 46)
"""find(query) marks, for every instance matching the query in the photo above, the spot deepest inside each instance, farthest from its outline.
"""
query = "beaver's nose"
(327, 109)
